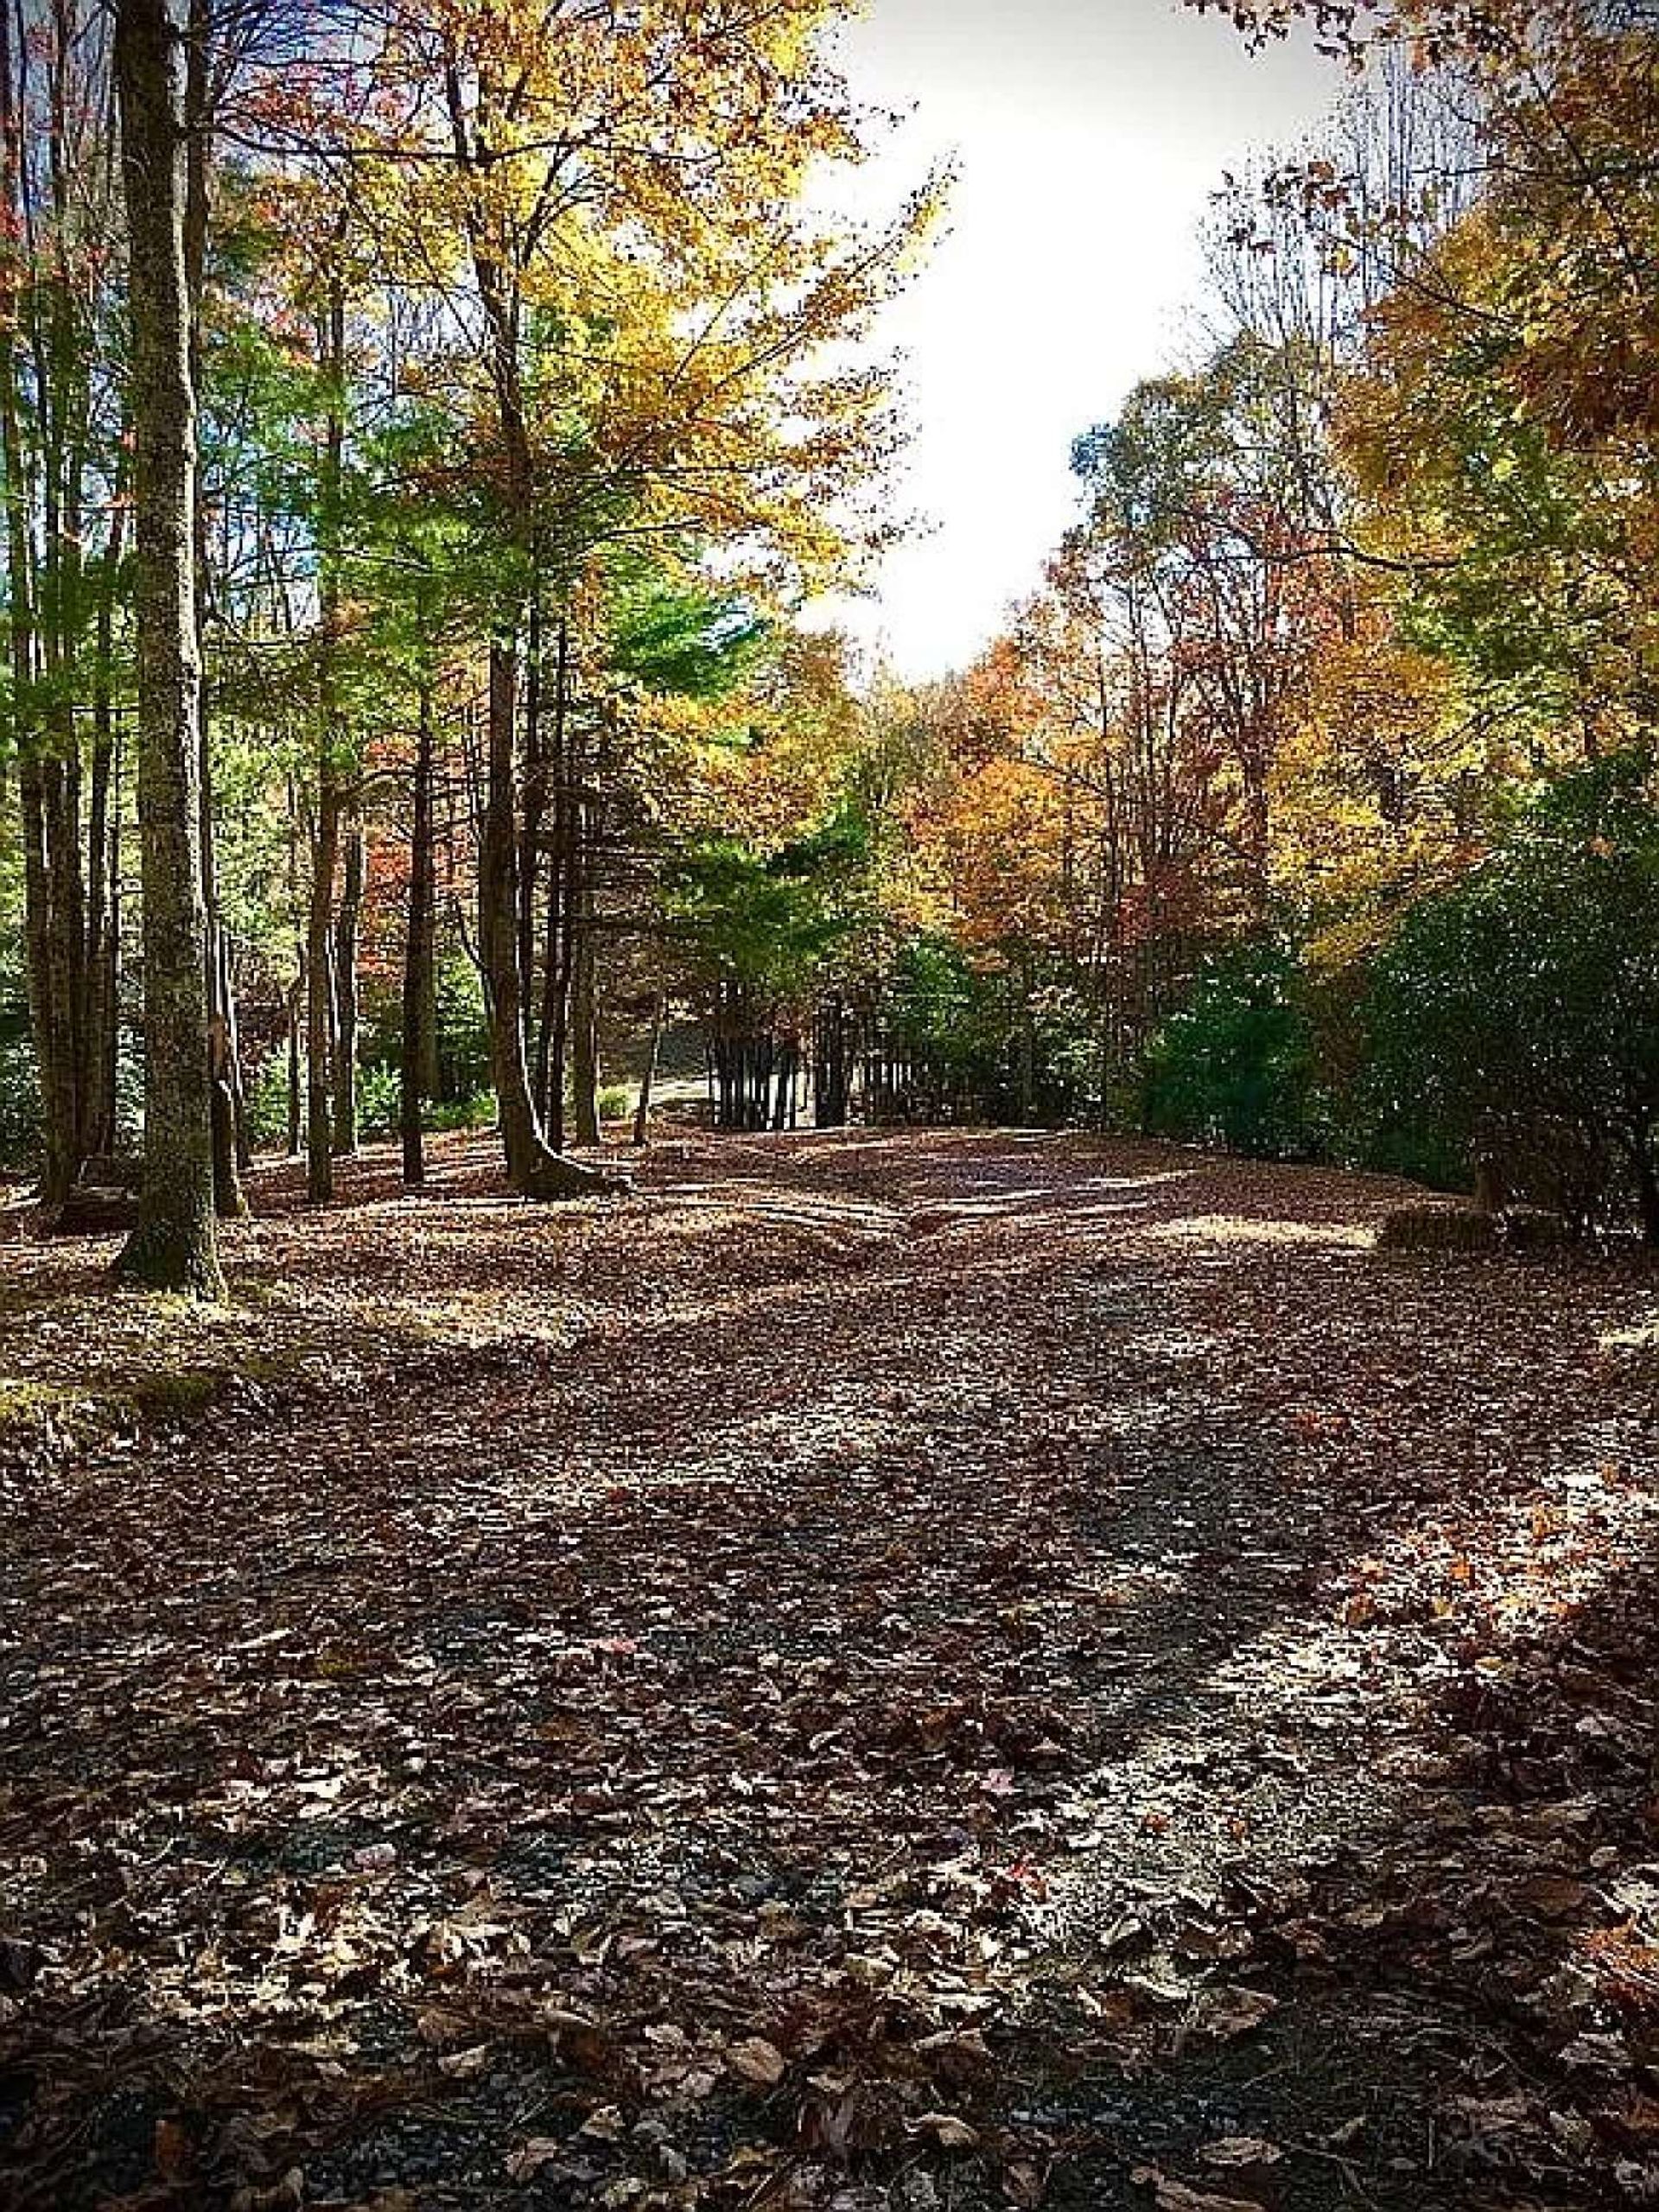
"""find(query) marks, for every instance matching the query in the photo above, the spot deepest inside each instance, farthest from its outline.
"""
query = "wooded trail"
(914, 1669)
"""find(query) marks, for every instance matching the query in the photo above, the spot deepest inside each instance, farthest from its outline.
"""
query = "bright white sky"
(1088, 135)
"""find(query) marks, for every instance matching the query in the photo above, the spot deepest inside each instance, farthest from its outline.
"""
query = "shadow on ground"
(928, 1669)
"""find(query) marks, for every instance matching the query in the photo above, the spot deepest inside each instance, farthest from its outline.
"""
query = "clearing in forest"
(902, 1669)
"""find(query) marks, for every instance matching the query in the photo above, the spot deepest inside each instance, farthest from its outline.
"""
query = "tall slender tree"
(173, 1246)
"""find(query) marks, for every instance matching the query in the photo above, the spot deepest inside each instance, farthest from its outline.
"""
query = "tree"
(173, 1246)
(63, 551)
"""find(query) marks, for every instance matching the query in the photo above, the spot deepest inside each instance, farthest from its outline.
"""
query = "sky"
(1088, 136)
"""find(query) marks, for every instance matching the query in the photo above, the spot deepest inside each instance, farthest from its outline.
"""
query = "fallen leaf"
(1225, 2013)
(1175, 2196)
(465, 2065)
(1239, 2153)
(527, 2161)
(947, 2129)
(757, 2060)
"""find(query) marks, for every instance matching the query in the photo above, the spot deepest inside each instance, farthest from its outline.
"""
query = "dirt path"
(930, 1670)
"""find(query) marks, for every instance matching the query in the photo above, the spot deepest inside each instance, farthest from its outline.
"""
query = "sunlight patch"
(1238, 1229)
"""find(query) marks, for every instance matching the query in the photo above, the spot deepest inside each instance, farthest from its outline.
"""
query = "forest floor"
(932, 1670)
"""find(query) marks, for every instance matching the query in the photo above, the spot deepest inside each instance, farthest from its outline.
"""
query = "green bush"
(1234, 1066)
(379, 1103)
(1516, 1015)
(266, 1101)
(462, 1042)
(20, 1100)
(477, 1112)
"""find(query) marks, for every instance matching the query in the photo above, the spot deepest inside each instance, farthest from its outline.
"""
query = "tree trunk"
(642, 1109)
(295, 1078)
(296, 989)
(534, 808)
(1028, 1052)
(584, 1006)
(1647, 1191)
(173, 1245)
(829, 1085)
(229, 1203)
(562, 928)
(345, 940)
(533, 1170)
(229, 1140)
(325, 835)
(319, 986)
(103, 850)
(418, 953)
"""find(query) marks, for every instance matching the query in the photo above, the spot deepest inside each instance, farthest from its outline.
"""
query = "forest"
(773, 1435)
(1304, 807)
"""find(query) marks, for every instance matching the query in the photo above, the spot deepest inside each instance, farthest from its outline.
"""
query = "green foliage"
(477, 1112)
(1525, 1000)
(986, 1042)
(678, 639)
(762, 925)
(379, 1100)
(20, 1101)
(462, 1042)
(1234, 1066)
(266, 1102)
(463, 1032)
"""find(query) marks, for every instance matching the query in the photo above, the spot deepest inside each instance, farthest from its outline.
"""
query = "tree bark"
(648, 1074)
(229, 1142)
(173, 1245)
(345, 941)
(103, 848)
(584, 1005)
(319, 987)
(50, 1016)
(418, 1038)
(229, 1203)
(320, 1039)
(533, 1170)
(296, 990)
(555, 1007)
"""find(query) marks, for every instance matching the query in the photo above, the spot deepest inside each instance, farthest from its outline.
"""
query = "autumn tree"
(645, 308)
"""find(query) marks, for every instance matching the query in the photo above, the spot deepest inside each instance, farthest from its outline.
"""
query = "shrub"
(379, 1102)
(1234, 1067)
(20, 1100)
(266, 1102)
(477, 1112)
(1515, 1016)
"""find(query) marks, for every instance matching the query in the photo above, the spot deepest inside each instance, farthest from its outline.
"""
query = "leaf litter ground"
(930, 1671)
